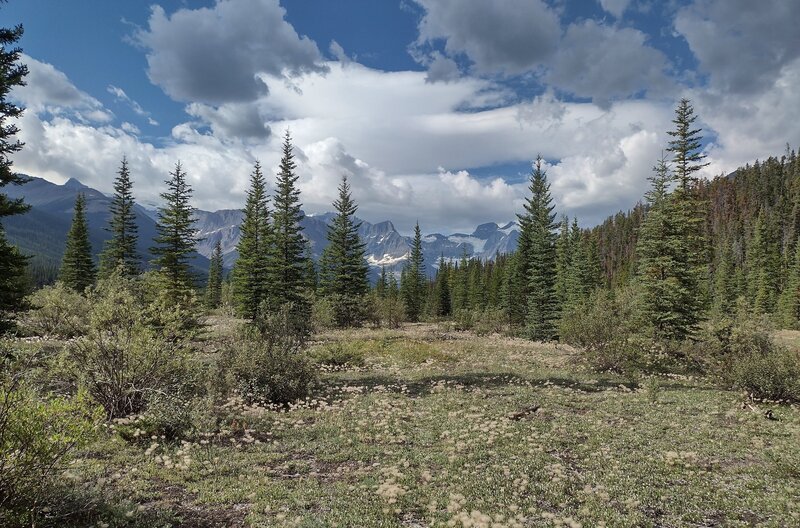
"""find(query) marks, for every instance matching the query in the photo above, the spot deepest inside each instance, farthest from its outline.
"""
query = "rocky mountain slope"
(42, 231)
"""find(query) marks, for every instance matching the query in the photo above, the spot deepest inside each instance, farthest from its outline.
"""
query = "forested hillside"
(752, 227)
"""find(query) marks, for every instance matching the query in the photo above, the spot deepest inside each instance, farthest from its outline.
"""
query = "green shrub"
(323, 315)
(390, 311)
(168, 417)
(607, 327)
(409, 351)
(38, 434)
(742, 353)
(773, 374)
(128, 353)
(268, 360)
(489, 321)
(175, 320)
(339, 354)
(55, 311)
(465, 319)
(262, 371)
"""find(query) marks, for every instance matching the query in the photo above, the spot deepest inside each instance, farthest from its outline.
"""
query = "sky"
(433, 109)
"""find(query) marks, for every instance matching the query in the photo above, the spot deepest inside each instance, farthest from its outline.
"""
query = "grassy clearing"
(439, 428)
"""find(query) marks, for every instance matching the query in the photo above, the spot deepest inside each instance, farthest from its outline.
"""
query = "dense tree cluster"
(749, 234)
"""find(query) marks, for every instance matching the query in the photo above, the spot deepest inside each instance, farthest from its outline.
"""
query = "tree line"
(274, 269)
(692, 248)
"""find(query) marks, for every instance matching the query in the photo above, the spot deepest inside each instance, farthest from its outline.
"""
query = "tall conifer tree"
(345, 268)
(579, 282)
(13, 283)
(120, 250)
(250, 273)
(382, 285)
(657, 262)
(764, 265)
(543, 308)
(215, 273)
(789, 303)
(688, 217)
(563, 260)
(175, 241)
(515, 298)
(77, 267)
(287, 261)
(441, 290)
(414, 283)
(460, 287)
(724, 288)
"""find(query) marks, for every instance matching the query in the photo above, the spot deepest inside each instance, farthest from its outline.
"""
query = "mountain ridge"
(42, 231)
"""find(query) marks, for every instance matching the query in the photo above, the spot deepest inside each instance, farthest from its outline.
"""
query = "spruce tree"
(579, 282)
(120, 250)
(382, 286)
(441, 290)
(657, 264)
(685, 147)
(311, 275)
(763, 262)
(215, 276)
(688, 217)
(287, 260)
(414, 283)
(393, 289)
(250, 280)
(345, 268)
(13, 282)
(77, 267)
(543, 308)
(789, 303)
(477, 289)
(460, 294)
(515, 298)
(175, 239)
(724, 288)
(563, 260)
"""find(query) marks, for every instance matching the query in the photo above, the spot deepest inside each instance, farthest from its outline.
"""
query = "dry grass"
(442, 428)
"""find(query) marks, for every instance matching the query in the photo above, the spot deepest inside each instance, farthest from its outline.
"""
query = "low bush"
(55, 311)
(742, 353)
(38, 435)
(404, 351)
(323, 315)
(390, 311)
(268, 361)
(482, 322)
(608, 329)
(125, 357)
(490, 321)
(773, 374)
(464, 320)
(339, 354)
(168, 417)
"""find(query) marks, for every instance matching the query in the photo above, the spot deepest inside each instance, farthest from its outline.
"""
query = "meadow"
(426, 426)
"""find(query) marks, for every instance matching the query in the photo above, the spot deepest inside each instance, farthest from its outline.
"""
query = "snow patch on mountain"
(476, 243)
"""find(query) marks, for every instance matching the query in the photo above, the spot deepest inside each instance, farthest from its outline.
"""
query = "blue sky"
(433, 108)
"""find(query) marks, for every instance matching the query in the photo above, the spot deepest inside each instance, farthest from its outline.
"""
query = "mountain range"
(42, 231)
